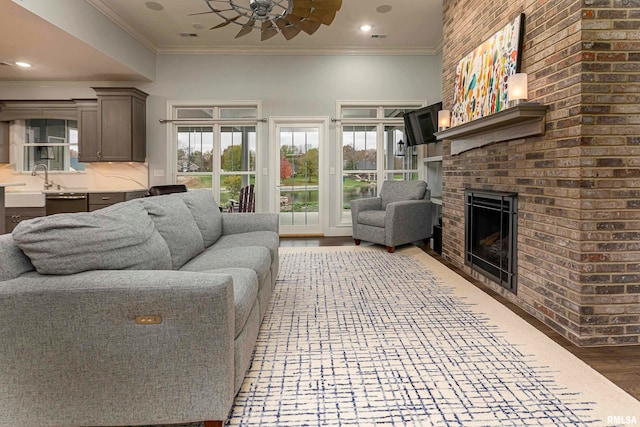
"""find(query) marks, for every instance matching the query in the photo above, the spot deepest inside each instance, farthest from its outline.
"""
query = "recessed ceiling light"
(153, 5)
(385, 8)
(365, 28)
(23, 64)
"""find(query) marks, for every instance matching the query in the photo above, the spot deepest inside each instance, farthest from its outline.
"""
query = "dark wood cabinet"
(102, 200)
(120, 125)
(88, 132)
(13, 216)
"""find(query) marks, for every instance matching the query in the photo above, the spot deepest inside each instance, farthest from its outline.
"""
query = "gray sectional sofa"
(145, 312)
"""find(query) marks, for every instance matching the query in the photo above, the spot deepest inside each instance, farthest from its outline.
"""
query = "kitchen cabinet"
(13, 216)
(121, 127)
(88, 132)
(102, 200)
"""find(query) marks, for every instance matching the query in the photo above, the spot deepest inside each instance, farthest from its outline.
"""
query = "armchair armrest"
(242, 223)
(408, 220)
(365, 204)
(73, 354)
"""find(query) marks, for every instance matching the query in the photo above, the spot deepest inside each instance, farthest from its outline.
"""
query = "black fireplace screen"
(491, 221)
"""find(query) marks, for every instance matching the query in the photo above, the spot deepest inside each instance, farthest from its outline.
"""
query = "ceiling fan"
(271, 17)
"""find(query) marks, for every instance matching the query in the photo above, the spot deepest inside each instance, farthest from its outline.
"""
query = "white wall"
(294, 85)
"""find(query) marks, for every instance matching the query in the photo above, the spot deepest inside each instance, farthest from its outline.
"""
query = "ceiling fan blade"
(225, 23)
(320, 4)
(318, 15)
(305, 25)
(267, 31)
(287, 29)
(246, 28)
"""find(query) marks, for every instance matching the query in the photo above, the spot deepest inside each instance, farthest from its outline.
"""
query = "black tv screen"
(421, 125)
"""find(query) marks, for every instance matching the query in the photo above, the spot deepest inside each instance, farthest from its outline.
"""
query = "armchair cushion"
(395, 191)
(374, 218)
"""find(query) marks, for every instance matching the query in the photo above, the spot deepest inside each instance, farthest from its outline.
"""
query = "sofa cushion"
(176, 225)
(118, 237)
(374, 218)
(14, 261)
(256, 258)
(245, 293)
(396, 191)
(205, 212)
(267, 239)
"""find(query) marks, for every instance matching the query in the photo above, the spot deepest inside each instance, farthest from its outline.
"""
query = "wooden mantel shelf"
(520, 121)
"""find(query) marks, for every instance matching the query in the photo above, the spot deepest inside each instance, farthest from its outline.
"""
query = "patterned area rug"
(360, 337)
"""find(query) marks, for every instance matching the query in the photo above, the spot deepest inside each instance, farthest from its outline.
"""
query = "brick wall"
(579, 183)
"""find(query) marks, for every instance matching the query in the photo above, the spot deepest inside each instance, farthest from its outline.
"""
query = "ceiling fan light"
(365, 28)
(261, 8)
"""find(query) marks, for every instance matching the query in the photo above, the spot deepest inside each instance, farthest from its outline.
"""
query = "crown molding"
(246, 50)
(103, 8)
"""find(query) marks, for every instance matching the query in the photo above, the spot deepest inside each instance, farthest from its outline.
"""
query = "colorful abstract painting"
(481, 76)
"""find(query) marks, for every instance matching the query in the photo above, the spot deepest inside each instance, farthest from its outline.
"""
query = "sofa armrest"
(408, 220)
(234, 223)
(72, 352)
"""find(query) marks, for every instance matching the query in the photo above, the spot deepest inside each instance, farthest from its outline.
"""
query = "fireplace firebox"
(491, 222)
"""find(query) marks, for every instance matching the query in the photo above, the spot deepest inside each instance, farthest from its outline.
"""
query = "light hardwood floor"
(621, 365)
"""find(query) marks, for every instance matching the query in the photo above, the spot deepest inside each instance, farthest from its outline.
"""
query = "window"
(371, 136)
(53, 142)
(216, 148)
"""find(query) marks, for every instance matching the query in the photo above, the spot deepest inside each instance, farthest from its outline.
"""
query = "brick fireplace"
(578, 184)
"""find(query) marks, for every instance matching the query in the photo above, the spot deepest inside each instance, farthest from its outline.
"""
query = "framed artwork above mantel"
(481, 77)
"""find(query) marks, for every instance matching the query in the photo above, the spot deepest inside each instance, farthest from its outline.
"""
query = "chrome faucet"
(47, 184)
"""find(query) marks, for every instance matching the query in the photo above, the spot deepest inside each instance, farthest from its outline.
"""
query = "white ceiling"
(410, 27)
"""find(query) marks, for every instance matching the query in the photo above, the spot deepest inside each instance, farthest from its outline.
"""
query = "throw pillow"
(205, 212)
(119, 237)
(176, 225)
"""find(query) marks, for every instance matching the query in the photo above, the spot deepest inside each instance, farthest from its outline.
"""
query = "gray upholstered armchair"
(401, 214)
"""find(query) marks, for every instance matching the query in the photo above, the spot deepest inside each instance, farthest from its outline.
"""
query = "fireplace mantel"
(520, 121)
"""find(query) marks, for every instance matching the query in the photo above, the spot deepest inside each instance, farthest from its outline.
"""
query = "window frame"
(380, 122)
(216, 123)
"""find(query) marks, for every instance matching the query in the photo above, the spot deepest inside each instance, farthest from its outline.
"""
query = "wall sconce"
(444, 120)
(400, 149)
(516, 89)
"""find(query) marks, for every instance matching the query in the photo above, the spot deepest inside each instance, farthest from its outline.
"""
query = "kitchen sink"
(24, 199)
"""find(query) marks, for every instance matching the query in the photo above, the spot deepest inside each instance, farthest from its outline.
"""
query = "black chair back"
(158, 190)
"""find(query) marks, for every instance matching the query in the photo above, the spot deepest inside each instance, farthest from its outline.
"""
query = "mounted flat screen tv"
(421, 125)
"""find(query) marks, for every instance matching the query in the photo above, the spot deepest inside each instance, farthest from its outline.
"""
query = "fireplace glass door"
(490, 243)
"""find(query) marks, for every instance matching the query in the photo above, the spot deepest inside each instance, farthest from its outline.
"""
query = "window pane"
(299, 176)
(194, 113)
(359, 148)
(359, 157)
(230, 186)
(238, 113)
(353, 187)
(53, 140)
(359, 113)
(195, 149)
(193, 181)
(238, 148)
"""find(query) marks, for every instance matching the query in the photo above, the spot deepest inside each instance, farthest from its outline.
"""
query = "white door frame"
(322, 123)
